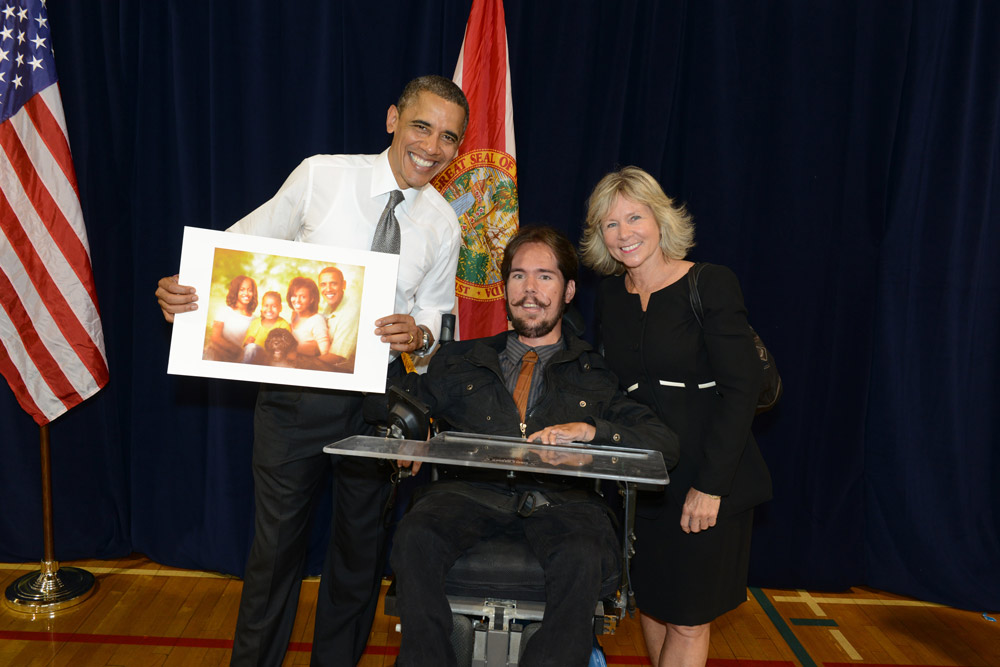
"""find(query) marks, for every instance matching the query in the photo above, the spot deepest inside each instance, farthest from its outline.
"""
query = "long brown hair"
(234, 292)
(310, 285)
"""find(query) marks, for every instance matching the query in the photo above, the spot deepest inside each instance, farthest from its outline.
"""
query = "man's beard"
(539, 328)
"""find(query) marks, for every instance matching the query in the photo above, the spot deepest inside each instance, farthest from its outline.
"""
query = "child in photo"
(270, 318)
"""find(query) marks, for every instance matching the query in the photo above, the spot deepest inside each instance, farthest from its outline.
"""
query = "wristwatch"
(426, 346)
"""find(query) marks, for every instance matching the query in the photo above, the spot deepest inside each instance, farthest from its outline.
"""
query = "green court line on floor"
(813, 621)
(786, 632)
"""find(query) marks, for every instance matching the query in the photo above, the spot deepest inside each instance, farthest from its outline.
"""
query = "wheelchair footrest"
(510, 610)
(605, 625)
(497, 642)
(608, 614)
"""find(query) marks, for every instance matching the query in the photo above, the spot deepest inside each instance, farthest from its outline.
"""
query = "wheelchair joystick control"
(447, 328)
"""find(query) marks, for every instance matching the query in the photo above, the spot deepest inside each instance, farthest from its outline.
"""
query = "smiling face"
(631, 234)
(425, 137)
(331, 286)
(301, 300)
(537, 295)
(270, 307)
(245, 294)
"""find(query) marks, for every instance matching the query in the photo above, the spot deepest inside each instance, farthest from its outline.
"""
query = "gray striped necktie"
(387, 233)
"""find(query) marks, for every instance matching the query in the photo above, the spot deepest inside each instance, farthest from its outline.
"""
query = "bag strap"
(699, 313)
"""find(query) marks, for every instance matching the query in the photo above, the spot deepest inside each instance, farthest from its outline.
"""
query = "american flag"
(51, 342)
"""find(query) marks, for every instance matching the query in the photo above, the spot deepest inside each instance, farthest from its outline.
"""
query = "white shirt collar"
(383, 182)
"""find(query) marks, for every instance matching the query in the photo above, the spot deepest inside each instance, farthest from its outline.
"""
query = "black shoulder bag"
(770, 390)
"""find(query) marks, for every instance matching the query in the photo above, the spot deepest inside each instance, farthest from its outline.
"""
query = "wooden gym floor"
(148, 615)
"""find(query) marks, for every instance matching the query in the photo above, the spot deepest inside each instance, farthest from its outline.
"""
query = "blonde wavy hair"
(676, 225)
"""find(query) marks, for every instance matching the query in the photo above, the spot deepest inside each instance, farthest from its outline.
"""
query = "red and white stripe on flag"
(481, 183)
(51, 342)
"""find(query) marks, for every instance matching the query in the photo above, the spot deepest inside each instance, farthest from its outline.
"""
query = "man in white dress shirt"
(337, 200)
(341, 313)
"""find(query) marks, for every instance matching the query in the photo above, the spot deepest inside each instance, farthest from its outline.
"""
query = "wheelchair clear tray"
(505, 453)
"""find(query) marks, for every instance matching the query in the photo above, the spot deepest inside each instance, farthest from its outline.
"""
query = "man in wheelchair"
(495, 386)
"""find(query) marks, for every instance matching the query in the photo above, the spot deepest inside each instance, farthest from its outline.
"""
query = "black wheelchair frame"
(495, 616)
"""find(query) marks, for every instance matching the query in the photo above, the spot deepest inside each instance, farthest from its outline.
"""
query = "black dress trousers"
(291, 427)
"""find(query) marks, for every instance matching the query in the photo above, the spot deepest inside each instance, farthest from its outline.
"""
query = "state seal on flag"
(481, 187)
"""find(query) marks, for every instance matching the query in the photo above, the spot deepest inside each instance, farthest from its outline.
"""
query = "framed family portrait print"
(283, 312)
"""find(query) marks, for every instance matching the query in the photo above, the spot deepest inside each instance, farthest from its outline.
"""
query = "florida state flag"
(481, 183)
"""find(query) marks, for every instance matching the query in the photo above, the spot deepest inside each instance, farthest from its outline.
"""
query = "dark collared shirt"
(510, 364)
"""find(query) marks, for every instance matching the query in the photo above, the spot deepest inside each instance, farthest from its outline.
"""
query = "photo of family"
(280, 311)
(283, 312)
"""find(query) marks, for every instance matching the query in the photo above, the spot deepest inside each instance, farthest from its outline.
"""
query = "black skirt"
(690, 578)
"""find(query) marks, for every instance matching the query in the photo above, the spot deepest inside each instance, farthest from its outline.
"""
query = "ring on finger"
(411, 339)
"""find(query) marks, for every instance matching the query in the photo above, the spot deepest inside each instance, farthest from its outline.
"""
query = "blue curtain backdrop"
(842, 157)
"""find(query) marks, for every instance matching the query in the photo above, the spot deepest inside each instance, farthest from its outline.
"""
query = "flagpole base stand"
(51, 589)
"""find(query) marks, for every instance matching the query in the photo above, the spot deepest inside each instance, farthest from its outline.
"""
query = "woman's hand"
(700, 511)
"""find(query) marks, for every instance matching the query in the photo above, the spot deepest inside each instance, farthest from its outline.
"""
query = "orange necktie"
(523, 386)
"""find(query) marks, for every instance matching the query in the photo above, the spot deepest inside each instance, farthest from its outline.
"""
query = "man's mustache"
(540, 302)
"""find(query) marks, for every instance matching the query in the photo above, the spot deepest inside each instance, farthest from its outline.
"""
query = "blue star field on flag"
(26, 62)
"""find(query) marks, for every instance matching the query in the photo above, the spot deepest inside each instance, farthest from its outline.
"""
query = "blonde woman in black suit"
(702, 380)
